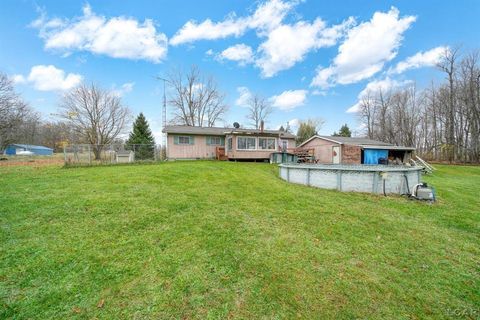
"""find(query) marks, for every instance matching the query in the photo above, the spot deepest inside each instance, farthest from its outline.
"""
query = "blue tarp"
(37, 150)
(371, 156)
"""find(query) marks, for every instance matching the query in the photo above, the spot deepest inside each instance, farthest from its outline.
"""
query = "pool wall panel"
(354, 178)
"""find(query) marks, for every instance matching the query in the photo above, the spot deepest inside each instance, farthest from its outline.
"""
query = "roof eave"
(319, 137)
(388, 147)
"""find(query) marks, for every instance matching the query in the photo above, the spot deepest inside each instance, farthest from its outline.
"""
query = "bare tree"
(469, 83)
(258, 109)
(56, 134)
(13, 111)
(448, 65)
(308, 128)
(367, 113)
(196, 99)
(96, 115)
(28, 129)
(443, 121)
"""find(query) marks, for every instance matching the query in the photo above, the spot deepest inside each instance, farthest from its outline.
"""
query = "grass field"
(231, 240)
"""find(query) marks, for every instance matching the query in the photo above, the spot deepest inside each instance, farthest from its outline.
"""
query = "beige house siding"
(323, 149)
(198, 150)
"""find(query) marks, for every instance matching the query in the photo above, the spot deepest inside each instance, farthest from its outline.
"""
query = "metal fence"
(87, 154)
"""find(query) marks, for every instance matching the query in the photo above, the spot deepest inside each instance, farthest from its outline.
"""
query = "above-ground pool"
(359, 178)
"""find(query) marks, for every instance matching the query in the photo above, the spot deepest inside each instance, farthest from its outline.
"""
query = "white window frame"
(247, 137)
(267, 138)
(229, 144)
(257, 144)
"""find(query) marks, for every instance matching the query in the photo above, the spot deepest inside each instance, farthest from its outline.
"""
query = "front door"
(336, 154)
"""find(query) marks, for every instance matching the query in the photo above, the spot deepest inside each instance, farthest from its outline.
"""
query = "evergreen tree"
(344, 132)
(141, 139)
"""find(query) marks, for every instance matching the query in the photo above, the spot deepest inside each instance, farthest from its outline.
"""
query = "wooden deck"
(304, 155)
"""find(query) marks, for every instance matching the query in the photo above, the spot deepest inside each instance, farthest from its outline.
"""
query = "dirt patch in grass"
(32, 162)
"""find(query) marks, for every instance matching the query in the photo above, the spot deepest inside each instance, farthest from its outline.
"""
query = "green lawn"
(231, 240)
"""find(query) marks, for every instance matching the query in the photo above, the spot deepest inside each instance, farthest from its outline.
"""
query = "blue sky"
(309, 58)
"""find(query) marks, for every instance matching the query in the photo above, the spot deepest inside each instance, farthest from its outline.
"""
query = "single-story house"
(187, 142)
(18, 149)
(349, 150)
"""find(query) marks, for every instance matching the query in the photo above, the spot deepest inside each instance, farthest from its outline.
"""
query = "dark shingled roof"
(356, 141)
(222, 131)
(361, 142)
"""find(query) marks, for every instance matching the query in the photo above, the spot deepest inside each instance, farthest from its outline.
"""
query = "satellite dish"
(236, 125)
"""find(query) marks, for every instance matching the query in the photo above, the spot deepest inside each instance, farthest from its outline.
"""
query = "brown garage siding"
(351, 154)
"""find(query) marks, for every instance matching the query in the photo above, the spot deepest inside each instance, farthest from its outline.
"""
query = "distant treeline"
(442, 121)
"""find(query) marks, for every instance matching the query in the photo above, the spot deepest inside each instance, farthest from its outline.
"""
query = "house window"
(246, 143)
(229, 143)
(215, 141)
(266, 143)
(184, 140)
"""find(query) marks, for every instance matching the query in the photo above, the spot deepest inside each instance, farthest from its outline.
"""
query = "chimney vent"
(262, 125)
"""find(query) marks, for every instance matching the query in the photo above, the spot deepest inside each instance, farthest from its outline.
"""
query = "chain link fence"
(88, 154)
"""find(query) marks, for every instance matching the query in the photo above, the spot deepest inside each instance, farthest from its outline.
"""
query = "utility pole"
(164, 113)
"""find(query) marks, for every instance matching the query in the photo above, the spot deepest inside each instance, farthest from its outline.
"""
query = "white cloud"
(128, 87)
(208, 30)
(270, 15)
(283, 44)
(420, 59)
(355, 108)
(317, 92)
(50, 78)
(366, 49)
(289, 100)
(243, 96)
(265, 17)
(288, 44)
(294, 124)
(18, 79)
(124, 89)
(117, 37)
(197, 88)
(240, 53)
(375, 87)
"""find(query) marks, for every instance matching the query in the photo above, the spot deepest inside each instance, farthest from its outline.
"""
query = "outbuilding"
(27, 149)
(348, 150)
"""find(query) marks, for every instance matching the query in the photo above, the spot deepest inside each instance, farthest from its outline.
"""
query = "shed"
(353, 150)
(16, 149)
(127, 156)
